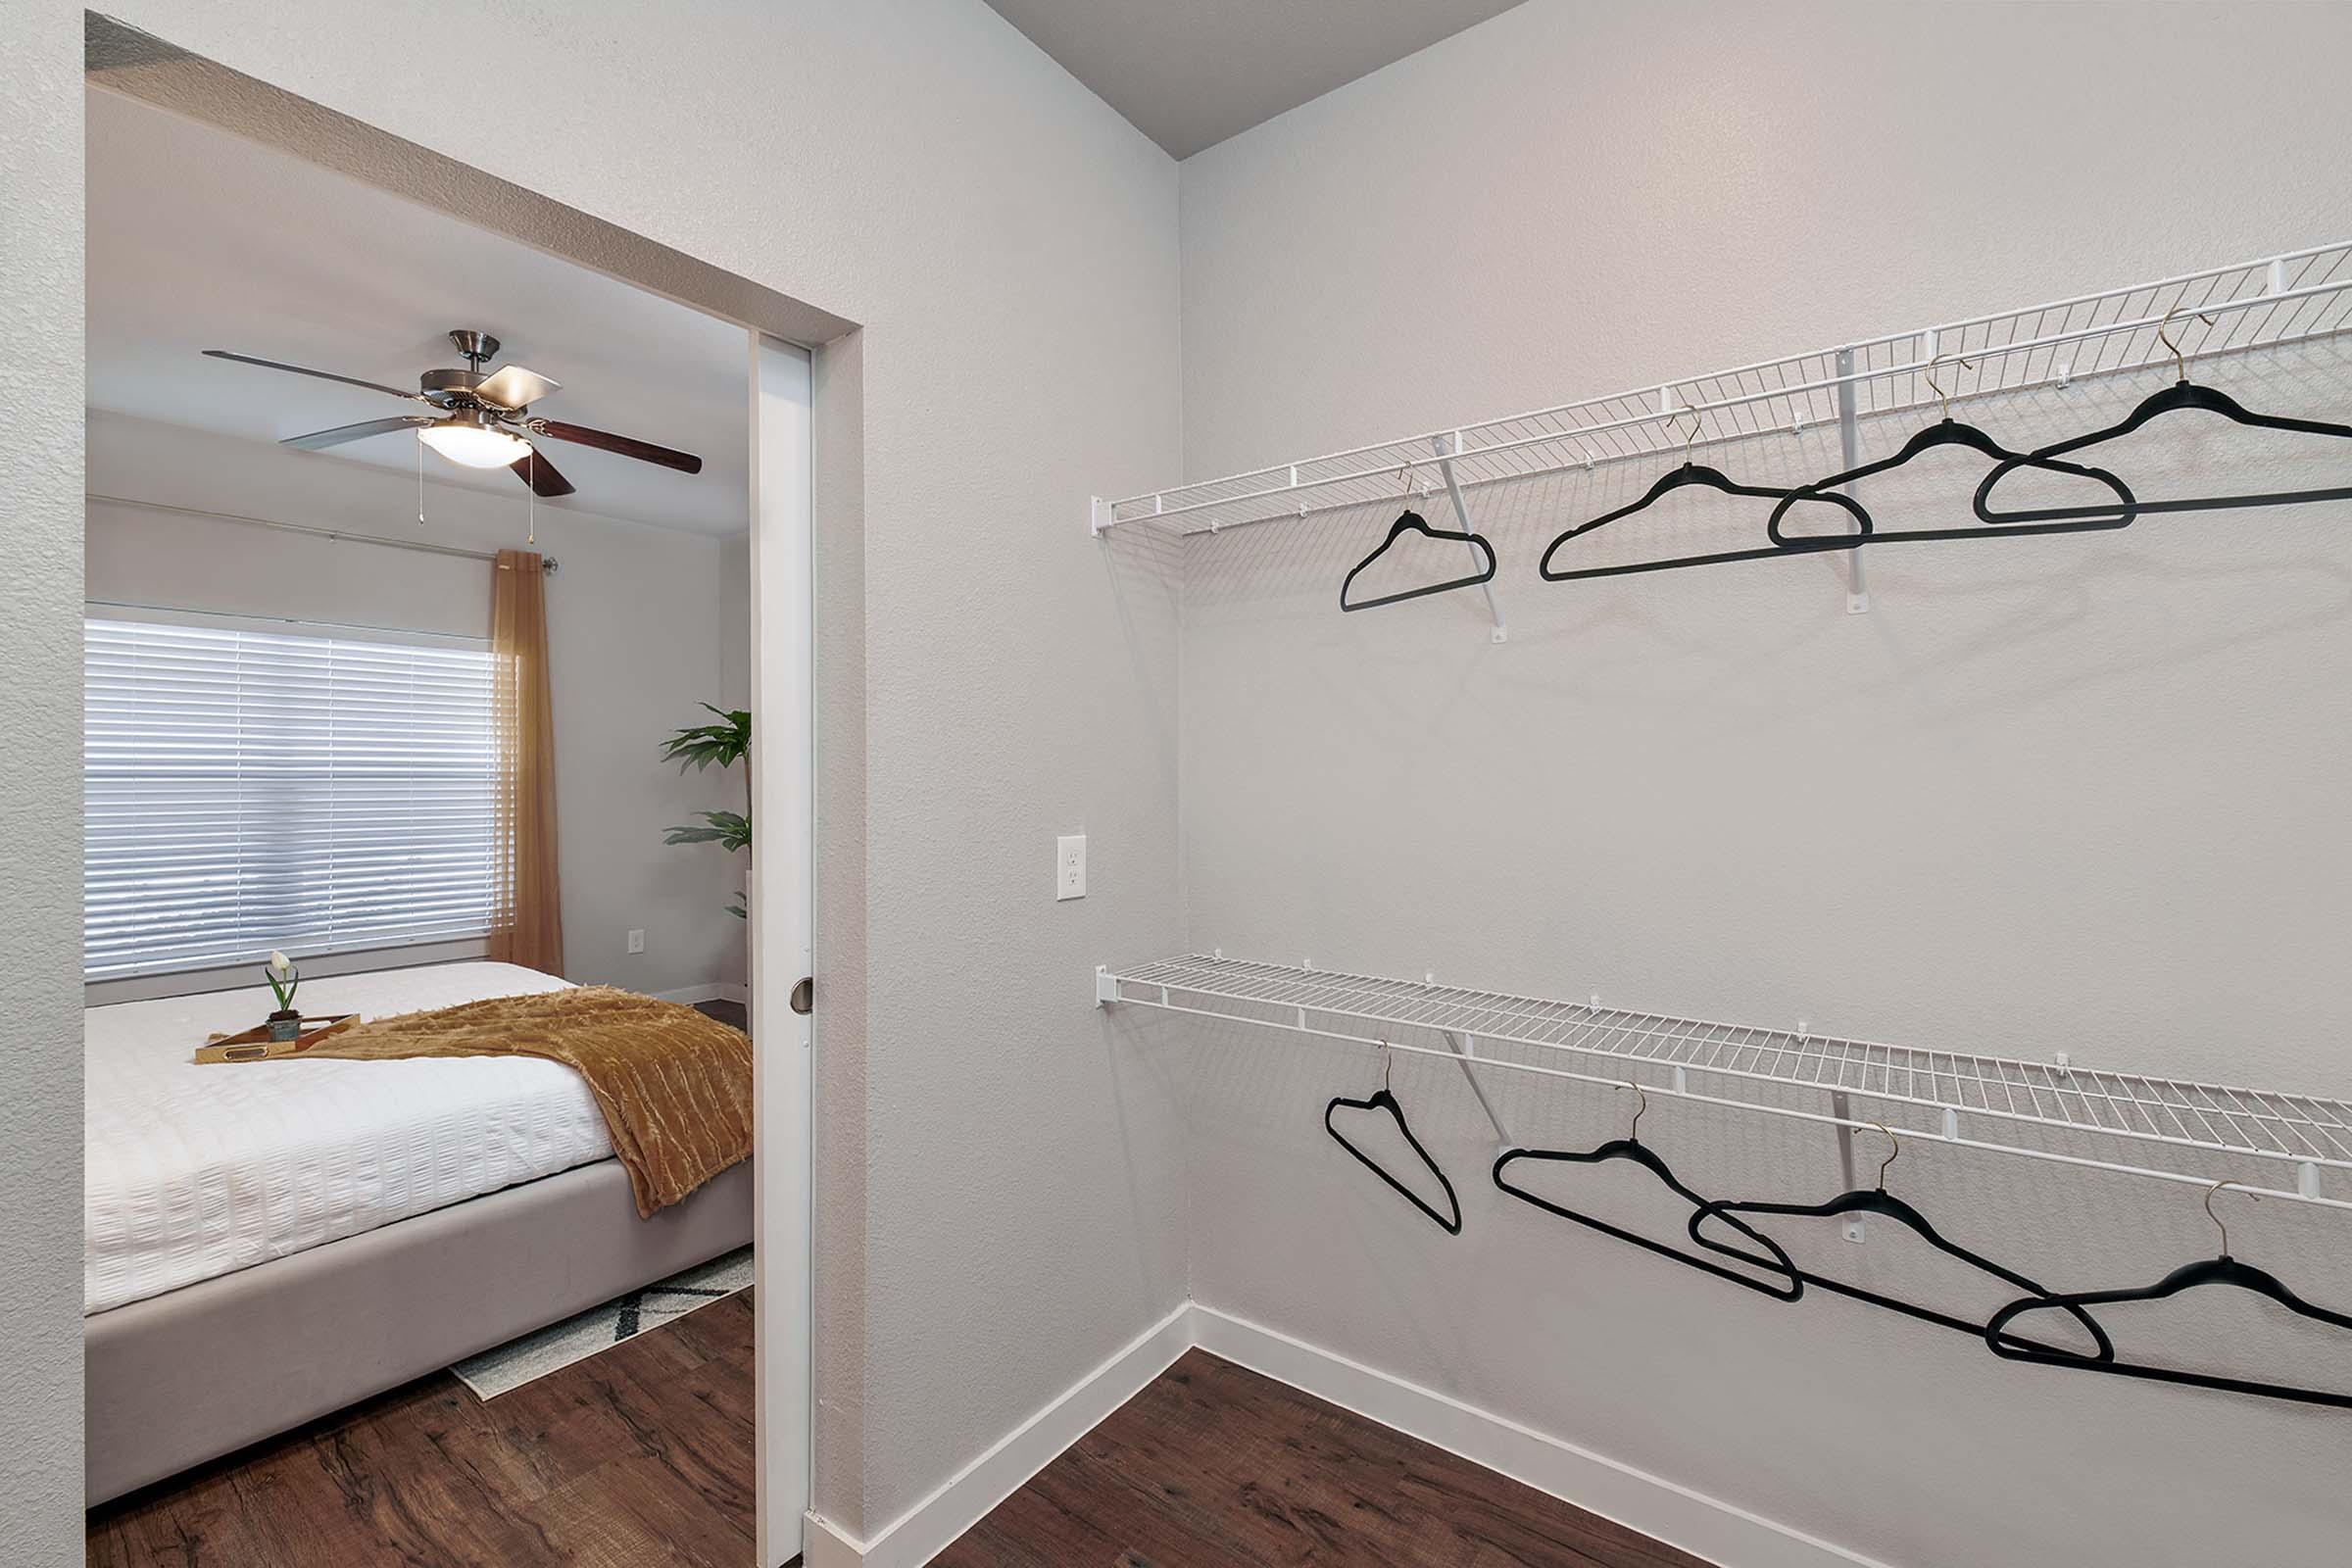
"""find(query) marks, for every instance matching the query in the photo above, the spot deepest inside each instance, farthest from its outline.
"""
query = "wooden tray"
(255, 1044)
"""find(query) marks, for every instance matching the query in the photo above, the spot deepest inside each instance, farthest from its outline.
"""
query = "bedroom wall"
(2084, 795)
(636, 617)
(735, 692)
(41, 789)
(1009, 247)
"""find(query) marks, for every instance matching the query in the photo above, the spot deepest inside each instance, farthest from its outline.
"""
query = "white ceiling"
(199, 239)
(1188, 74)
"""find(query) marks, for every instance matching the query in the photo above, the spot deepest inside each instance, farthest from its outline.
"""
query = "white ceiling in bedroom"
(199, 239)
(1188, 74)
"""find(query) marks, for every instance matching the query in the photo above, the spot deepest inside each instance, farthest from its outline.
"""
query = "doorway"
(780, 896)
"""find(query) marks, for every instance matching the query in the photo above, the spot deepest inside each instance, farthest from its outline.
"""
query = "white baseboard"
(707, 991)
(1656, 1508)
(920, 1534)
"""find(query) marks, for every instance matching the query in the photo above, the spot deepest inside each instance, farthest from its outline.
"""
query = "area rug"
(508, 1366)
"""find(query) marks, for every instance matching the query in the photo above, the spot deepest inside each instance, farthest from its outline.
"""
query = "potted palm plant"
(723, 745)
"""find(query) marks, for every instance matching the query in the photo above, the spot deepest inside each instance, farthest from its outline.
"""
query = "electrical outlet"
(1069, 867)
(636, 942)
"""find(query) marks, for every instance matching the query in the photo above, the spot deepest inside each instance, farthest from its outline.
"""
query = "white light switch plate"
(1069, 867)
(636, 942)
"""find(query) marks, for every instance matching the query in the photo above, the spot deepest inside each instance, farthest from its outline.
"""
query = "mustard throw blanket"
(676, 1087)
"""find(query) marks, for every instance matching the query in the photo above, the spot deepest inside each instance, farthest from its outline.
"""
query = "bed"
(269, 1242)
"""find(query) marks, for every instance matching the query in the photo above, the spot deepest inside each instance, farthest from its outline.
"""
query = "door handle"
(804, 995)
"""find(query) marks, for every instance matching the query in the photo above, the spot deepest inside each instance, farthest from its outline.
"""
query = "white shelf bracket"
(1851, 1227)
(1447, 448)
(2307, 1178)
(1098, 516)
(1466, 1050)
(1106, 988)
(1857, 587)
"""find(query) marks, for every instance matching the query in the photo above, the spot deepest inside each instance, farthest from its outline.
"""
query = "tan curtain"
(528, 920)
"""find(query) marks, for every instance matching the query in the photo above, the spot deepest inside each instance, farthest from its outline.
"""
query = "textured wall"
(1008, 246)
(41, 783)
(2082, 795)
(635, 620)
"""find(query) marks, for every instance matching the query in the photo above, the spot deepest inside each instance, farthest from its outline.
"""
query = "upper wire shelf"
(2268, 303)
(2126, 1122)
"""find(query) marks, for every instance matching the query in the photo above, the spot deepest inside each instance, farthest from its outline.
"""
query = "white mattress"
(191, 1172)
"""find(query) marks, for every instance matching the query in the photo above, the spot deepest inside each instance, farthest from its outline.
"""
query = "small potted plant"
(284, 979)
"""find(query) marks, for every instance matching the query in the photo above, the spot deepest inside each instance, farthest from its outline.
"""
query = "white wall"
(41, 786)
(735, 692)
(2085, 795)
(1009, 247)
(636, 617)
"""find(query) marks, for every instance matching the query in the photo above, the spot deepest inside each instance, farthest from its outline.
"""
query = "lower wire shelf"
(2168, 1129)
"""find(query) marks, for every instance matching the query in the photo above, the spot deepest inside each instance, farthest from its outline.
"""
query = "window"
(249, 789)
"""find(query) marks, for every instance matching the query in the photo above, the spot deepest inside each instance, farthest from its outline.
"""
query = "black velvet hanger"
(1949, 433)
(1630, 1149)
(1878, 1201)
(1698, 473)
(1383, 1099)
(2181, 393)
(2222, 1270)
(1414, 522)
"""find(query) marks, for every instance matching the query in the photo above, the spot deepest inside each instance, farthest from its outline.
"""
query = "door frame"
(123, 60)
(782, 921)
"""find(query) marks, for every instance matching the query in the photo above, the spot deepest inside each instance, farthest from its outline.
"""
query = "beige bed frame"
(204, 1370)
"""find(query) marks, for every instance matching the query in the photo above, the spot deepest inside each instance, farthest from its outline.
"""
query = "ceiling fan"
(479, 420)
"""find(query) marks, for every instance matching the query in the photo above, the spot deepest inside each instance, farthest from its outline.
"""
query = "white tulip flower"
(279, 963)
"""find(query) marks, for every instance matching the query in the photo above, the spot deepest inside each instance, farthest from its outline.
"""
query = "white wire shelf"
(2270, 303)
(2163, 1128)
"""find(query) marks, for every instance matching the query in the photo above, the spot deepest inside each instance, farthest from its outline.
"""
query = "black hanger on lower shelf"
(1413, 522)
(1700, 475)
(1629, 1147)
(2223, 1271)
(1383, 1100)
(1879, 1200)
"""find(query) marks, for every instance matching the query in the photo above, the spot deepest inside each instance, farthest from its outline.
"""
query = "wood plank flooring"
(640, 1455)
(1216, 1467)
(643, 1455)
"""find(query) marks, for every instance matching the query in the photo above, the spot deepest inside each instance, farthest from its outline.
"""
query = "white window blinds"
(246, 790)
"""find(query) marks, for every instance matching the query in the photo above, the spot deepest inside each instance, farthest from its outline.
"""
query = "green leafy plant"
(720, 745)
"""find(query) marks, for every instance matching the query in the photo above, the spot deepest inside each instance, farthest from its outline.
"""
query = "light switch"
(636, 942)
(1069, 867)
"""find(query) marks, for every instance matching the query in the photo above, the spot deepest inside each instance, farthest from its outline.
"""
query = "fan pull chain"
(419, 484)
(530, 516)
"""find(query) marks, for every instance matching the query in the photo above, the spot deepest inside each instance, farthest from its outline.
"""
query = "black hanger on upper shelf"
(1950, 432)
(2223, 1271)
(1631, 1147)
(1878, 1200)
(1413, 522)
(1382, 1100)
(2182, 394)
(1700, 475)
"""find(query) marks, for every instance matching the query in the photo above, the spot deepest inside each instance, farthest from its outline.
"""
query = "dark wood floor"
(643, 1455)
(640, 1455)
(1216, 1467)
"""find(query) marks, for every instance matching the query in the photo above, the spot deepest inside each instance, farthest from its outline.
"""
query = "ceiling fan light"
(474, 445)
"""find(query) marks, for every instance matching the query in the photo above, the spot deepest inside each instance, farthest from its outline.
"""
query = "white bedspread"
(192, 1172)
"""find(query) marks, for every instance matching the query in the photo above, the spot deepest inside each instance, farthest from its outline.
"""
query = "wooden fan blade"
(355, 432)
(533, 469)
(512, 387)
(323, 376)
(626, 446)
